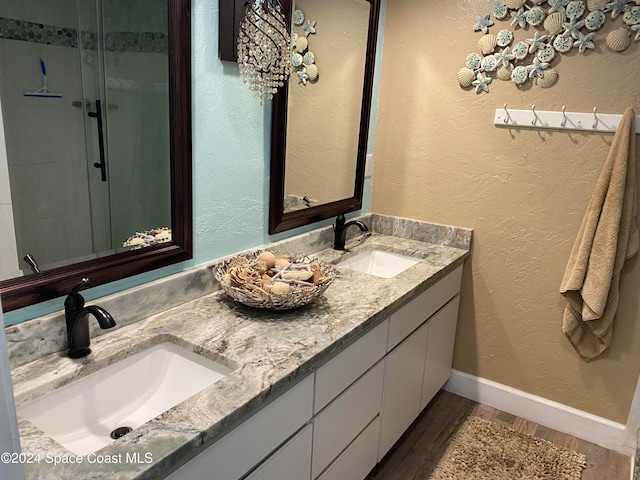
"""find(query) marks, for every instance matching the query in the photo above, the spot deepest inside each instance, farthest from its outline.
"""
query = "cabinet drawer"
(342, 370)
(442, 337)
(414, 313)
(290, 462)
(337, 425)
(358, 459)
(253, 440)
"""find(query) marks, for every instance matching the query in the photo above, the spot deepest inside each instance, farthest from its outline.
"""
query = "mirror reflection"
(325, 101)
(85, 117)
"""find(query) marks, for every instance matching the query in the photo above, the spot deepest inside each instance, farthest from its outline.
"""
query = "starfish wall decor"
(556, 26)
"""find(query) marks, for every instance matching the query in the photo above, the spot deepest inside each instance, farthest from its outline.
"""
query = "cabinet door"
(403, 388)
(413, 314)
(290, 462)
(442, 336)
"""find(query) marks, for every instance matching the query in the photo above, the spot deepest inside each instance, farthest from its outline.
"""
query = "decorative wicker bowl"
(249, 292)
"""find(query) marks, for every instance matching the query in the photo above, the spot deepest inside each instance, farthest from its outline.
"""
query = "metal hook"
(508, 117)
(564, 116)
(595, 118)
(535, 115)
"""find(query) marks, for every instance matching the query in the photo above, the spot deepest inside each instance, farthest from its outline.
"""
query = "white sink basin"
(379, 263)
(82, 414)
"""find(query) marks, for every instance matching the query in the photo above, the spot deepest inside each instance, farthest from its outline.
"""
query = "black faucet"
(77, 316)
(340, 230)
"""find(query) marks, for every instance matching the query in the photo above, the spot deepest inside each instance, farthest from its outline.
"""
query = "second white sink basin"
(82, 415)
(379, 263)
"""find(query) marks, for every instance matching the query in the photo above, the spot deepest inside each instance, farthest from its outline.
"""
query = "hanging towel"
(608, 236)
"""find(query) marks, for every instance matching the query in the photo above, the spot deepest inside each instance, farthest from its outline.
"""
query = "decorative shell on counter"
(274, 282)
(618, 40)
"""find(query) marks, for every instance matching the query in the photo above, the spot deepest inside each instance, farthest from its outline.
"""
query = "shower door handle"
(102, 165)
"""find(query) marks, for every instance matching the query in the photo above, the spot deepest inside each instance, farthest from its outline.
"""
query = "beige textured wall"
(440, 158)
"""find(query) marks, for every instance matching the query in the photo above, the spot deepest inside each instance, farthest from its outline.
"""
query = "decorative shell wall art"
(540, 31)
(487, 44)
(312, 72)
(466, 76)
(548, 78)
(553, 23)
(618, 40)
(302, 58)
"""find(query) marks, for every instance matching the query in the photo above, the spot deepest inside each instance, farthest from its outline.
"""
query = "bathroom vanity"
(321, 392)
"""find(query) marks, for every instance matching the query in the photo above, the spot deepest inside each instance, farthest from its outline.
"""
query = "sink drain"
(120, 432)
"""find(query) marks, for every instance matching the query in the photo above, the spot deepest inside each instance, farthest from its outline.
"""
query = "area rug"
(484, 450)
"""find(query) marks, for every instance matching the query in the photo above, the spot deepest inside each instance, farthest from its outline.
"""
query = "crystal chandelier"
(264, 48)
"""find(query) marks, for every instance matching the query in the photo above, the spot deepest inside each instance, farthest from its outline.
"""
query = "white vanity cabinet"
(421, 339)
(337, 423)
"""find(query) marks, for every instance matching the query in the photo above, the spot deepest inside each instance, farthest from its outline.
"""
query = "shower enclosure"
(84, 97)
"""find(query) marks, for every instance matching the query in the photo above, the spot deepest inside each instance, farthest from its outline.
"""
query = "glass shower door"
(43, 120)
(92, 102)
(130, 80)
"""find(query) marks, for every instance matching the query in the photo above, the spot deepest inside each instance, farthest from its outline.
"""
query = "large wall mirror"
(320, 124)
(96, 121)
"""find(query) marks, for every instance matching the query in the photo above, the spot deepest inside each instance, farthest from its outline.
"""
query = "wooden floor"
(417, 453)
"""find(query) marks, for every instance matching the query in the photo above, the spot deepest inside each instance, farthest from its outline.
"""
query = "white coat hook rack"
(577, 121)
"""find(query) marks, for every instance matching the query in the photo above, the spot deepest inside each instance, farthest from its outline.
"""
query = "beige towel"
(608, 236)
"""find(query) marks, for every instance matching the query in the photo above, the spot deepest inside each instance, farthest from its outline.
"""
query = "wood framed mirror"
(320, 128)
(175, 47)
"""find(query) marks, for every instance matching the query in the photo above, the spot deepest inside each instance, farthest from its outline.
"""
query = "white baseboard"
(551, 414)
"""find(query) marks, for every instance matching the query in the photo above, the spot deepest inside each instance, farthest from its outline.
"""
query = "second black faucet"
(340, 231)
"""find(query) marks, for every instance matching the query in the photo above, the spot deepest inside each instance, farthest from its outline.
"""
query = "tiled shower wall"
(8, 251)
(45, 137)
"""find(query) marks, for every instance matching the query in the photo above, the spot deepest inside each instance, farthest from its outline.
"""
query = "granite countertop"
(268, 350)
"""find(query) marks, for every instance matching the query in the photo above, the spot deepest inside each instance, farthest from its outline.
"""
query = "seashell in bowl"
(618, 40)
(549, 77)
(553, 23)
(593, 5)
(487, 43)
(466, 76)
